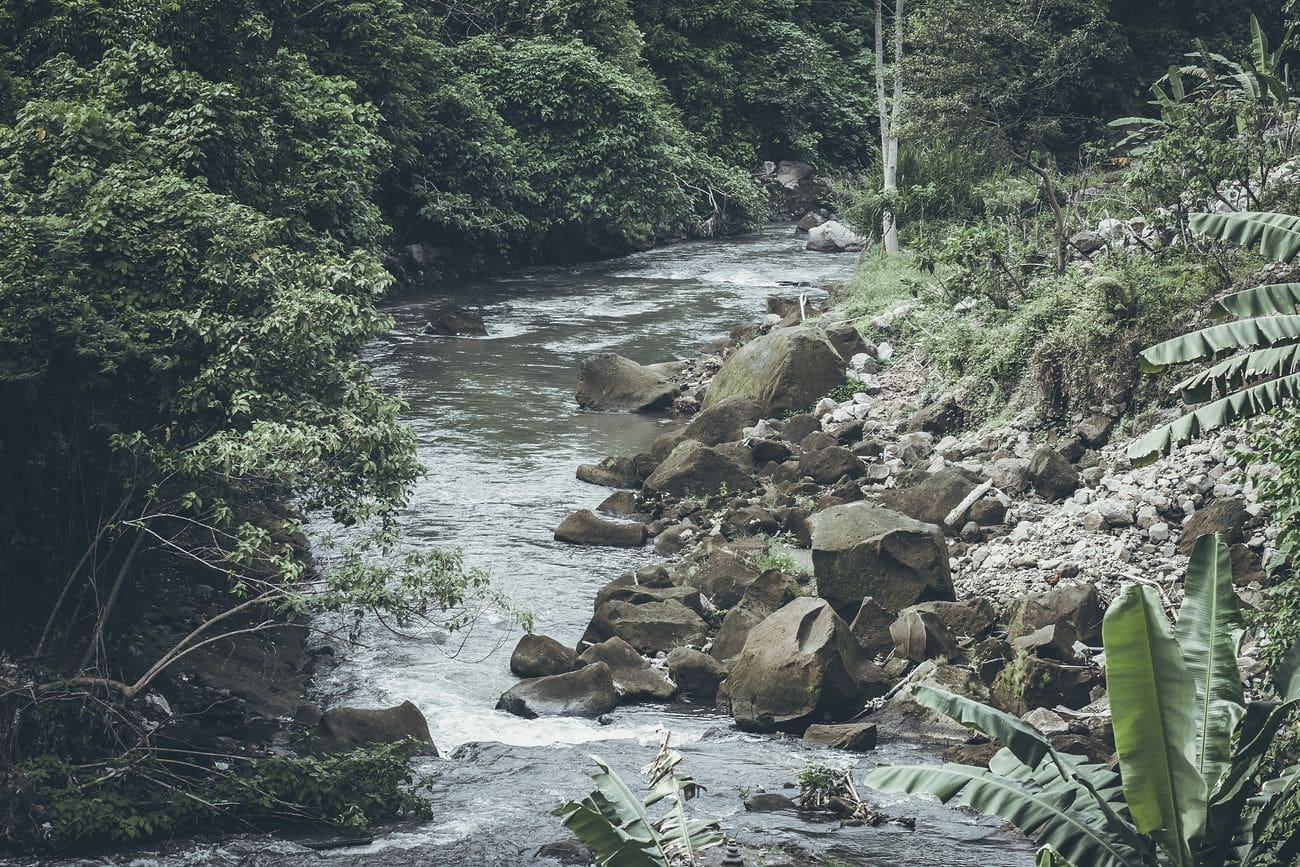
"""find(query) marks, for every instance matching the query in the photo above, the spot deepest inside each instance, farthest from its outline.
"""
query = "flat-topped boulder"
(587, 692)
(347, 728)
(650, 627)
(609, 382)
(800, 665)
(785, 370)
(862, 549)
(585, 527)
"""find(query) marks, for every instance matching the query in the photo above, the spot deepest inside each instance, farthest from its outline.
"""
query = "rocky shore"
(828, 543)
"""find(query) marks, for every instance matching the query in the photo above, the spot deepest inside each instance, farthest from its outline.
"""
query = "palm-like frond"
(1277, 236)
(1261, 301)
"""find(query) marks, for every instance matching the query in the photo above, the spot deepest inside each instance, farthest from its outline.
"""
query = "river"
(501, 436)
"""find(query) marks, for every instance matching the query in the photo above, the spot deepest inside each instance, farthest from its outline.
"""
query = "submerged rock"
(457, 322)
(854, 737)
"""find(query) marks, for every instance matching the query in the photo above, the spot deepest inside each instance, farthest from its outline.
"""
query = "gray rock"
(853, 737)
(696, 674)
(724, 421)
(903, 717)
(800, 664)
(941, 416)
(633, 676)
(847, 340)
(834, 237)
(612, 383)
(1051, 475)
(870, 627)
(788, 369)
(650, 627)
(588, 692)
(799, 426)
(723, 576)
(346, 728)
(457, 322)
(921, 635)
(694, 469)
(972, 617)
(934, 497)
(612, 472)
(1032, 681)
(1010, 475)
(827, 466)
(621, 503)
(861, 550)
(585, 527)
(541, 656)
(1225, 516)
(1074, 604)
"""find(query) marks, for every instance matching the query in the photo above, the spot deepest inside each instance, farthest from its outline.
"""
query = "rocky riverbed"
(827, 543)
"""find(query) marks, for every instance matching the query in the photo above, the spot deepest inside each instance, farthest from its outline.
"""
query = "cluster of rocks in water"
(822, 562)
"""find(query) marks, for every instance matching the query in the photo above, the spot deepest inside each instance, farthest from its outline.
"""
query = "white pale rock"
(1158, 532)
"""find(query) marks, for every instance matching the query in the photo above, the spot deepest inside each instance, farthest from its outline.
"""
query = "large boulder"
(847, 340)
(785, 370)
(346, 728)
(1031, 682)
(651, 627)
(627, 589)
(1075, 604)
(585, 527)
(635, 678)
(941, 416)
(1051, 475)
(696, 674)
(800, 665)
(794, 189)
(610, 382)
(1225, 516)
(694, 469)
(934, 497)
(827, 466)
(862, 549)
(724, 421)
(587, 692)
(972, 617)
(541, 656)
(871, 627)
(834, 237)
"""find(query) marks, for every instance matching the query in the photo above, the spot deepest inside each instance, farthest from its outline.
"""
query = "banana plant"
(616, 825)
(1190, 791)
(1255, 358)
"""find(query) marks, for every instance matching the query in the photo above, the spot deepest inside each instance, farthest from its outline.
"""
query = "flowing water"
(501, 436)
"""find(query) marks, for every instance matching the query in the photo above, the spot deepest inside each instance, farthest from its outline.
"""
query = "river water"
(501, 436)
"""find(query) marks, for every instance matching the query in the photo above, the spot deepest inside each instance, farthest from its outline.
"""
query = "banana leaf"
(1243, 404)
(1048, 814)
(1253, 333)
(1236, 372)
(1152, 697)
(1277, 236)
(1260, 301)
(1209, 631)
(613, 823)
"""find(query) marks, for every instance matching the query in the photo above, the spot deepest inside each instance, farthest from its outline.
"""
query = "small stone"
(1158, 532)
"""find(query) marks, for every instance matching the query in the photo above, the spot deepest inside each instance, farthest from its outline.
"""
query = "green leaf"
(1260, 301)
(1209, 633)
(613, 823)
(1244, 404)
(1277, 236)
(1151, 698)
(1051, 816)
(1206, 343)
(1230, 375)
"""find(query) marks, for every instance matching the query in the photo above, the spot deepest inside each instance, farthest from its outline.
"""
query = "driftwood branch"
(959, 511)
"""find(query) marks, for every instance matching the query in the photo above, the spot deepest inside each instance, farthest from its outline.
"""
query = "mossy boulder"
(694, 469)
(786, 370)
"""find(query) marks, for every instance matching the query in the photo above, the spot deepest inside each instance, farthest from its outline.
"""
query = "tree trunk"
(889, 119)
